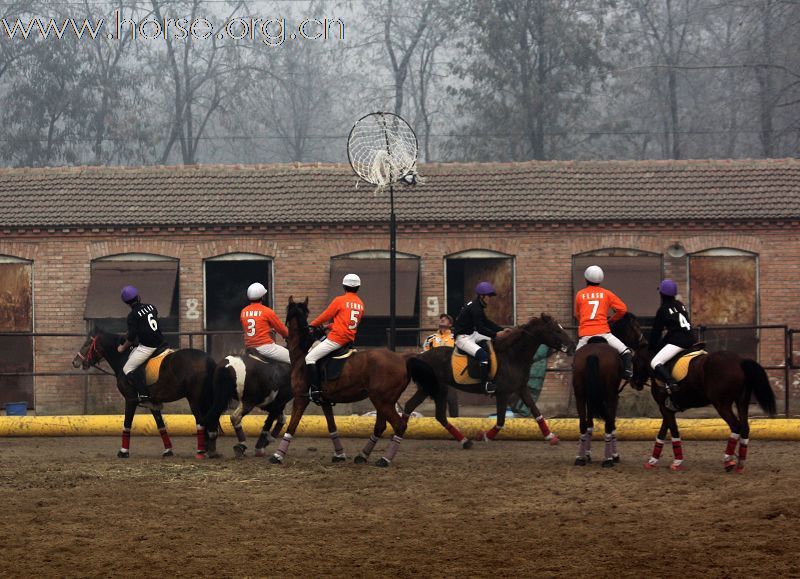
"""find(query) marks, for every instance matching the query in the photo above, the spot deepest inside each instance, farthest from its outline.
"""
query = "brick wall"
(61, 269)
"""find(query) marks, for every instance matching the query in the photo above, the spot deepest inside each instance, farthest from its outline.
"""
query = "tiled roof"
(607, 191)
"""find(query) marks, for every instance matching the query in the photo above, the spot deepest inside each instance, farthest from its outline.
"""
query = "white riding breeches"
(469, 342)
(321, 350)
(274, 352)
(612, 340)
(665, 354)
(138, 357)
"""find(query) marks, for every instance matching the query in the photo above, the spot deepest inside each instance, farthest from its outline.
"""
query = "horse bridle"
(564, 348)
(88, 358)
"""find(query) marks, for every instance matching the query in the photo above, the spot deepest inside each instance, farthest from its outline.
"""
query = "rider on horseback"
(346, 311)
(142, 327)
(672, 317)
(473, 327)
(591, 309)
(258, 321)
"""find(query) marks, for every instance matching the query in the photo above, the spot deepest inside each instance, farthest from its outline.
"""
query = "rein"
(88, 358)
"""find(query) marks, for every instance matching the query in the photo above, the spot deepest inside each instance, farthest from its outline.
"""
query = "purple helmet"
(485, 289)
(129, 293)
(668, 288)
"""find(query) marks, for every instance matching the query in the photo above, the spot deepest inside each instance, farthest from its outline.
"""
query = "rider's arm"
(327, 315)
(655, 332)
(276, 323)
(619, 307)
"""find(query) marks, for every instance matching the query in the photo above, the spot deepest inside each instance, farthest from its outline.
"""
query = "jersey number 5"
(354, 315)
(152, 321)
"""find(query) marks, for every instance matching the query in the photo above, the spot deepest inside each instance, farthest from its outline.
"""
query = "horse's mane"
(518, 333)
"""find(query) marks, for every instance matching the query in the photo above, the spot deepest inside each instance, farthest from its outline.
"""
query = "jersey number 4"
(684, 322)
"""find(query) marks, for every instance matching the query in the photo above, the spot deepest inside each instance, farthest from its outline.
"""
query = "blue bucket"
(16, 409)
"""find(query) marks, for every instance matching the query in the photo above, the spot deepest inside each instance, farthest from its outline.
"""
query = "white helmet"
(351, 280)
(593, 274)
(256, 291)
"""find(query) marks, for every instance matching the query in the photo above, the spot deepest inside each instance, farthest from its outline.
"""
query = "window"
(373, 269)
(156, 278)
(227, 278)
(723, 290)
(16, 316)
(465, 270)
(631, 274)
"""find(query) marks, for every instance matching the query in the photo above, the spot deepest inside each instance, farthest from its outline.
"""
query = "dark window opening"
(16, 315)
(463, 274)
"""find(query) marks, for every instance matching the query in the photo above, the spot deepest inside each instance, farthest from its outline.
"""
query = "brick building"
(193, 238)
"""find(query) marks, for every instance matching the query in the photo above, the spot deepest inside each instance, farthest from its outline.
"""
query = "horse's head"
(628, 330)
(297, 314)
(550, 332)
(641, 365)
(90, 354)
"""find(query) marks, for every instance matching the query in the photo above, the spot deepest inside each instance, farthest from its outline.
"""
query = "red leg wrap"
(742, 452)
(455, 432)
(730, 449)
(126, 439)
(165, 438)
(543, 426)
(677, 449)
(492, 433)
(201, 439)
(659, 446)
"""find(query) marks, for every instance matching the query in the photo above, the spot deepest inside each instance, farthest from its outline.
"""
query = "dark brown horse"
(596, 378)
(432, 373)
(253, 384)
(722, 379)
(184, 374)
(380, 375)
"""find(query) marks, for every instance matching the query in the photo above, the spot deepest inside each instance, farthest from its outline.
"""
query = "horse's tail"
(595, 394)
(756, 382)
(423, 375)
(224, 389)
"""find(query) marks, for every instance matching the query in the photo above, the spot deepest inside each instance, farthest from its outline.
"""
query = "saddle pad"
(459, 363)
(681, 367)
(331, 366)
(153, 366)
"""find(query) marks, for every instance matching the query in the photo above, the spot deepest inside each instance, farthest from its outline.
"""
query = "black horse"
(722, 379)
(184, 373)
(596, 378)
(432, 372)
(253, 384)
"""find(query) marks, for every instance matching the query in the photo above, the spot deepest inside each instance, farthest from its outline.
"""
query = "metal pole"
(392, 272)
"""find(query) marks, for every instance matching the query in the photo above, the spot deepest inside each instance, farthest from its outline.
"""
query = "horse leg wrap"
(394, 446)
(585, 437)
(493, 432)
(201, 439)
(338, 449)
(730, 449)
(126, 440)
(543, 426)
(607, 449)
(283, 448)
(165, 438)
(240, 433)
(657, 448)
(614, 451)
(743, 451)
(677, 451)
(370, 446)
(455, 432)
(589, 432)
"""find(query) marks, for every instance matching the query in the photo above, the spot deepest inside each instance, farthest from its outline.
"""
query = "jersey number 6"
(152, 321)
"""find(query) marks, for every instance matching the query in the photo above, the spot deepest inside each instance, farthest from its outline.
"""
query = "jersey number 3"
(251, 327)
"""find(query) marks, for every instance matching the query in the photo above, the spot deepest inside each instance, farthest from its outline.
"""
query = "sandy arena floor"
(501, 509)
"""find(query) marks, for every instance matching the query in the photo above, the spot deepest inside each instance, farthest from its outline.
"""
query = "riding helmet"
(593, 274)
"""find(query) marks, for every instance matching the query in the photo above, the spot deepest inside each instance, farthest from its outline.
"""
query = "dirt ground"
(501, 509)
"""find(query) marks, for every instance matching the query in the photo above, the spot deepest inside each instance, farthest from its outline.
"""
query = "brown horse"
(380, 375)
(432, 373)
(184, 373)
(596, 378)
(720, 378)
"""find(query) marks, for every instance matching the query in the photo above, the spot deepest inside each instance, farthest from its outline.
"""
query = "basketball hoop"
(382, 149)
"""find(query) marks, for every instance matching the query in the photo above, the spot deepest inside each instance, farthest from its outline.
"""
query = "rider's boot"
(670, 385)
(137, 381)
(483, 358)
(627, 364)
(315, 390)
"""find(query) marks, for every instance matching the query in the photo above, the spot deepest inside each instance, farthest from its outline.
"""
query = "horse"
(185, 373)
(596, 377)
(378, 374)
(432, 373)
(253, 383)
(721, 379)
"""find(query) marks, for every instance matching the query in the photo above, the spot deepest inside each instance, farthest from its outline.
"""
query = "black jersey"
(473, 319)
(672, 317)
(143, 325)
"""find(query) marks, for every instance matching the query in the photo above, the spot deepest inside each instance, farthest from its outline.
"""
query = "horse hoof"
(239, 450)
(382, 462)
(338, 458)
(275, 459)
(123, 454)
(615, 458)
(650, 466)
(580, 461)
(677, 467)
(608, 463)
(730, 465)
(360, 459)
(467, 444)
(553, 440)
(201, 456)
(167, 453)
(260, 452)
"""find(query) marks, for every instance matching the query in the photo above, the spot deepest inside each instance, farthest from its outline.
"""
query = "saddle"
(153, 366)
(256, 355)
(597, 340)
(330, 367)
(466, 368)
(679, 365)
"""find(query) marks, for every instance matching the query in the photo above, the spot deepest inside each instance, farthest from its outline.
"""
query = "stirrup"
(315, 394)
(489, 387)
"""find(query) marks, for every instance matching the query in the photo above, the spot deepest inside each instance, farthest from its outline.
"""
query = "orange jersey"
(258, 321)
(346, 312)
(591, 308)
